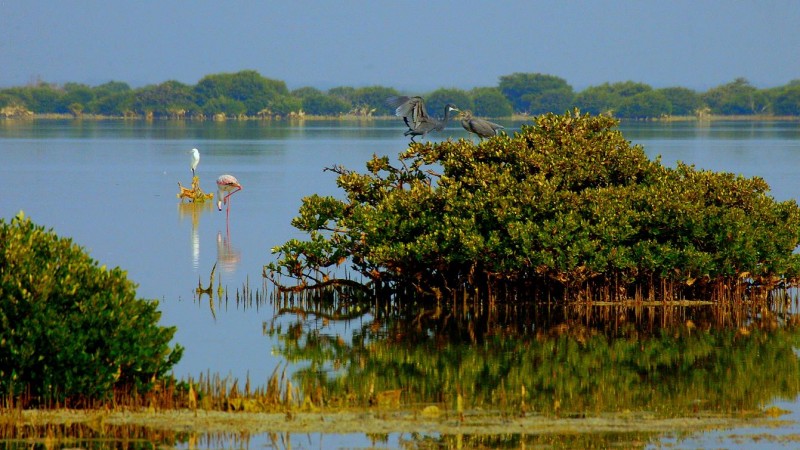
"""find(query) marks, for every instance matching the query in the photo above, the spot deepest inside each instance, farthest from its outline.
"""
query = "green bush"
(565, 204)
(70, 330)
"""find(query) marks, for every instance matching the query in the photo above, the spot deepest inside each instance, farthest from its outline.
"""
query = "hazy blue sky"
(406, 44)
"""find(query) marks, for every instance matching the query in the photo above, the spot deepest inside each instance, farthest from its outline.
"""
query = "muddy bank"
(427, 420)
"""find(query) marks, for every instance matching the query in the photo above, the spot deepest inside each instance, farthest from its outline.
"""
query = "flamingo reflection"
(228, 257)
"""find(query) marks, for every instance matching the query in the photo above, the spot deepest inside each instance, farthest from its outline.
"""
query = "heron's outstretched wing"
(411, 109)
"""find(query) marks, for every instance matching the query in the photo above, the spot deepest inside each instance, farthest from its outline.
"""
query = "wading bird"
(195, 159)
(482, 127)
(419, 123)
(227, 185)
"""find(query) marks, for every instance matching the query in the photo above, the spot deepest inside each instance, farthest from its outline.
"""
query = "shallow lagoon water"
(112, 185)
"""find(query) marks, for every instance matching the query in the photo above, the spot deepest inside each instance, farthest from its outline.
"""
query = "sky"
(414, 46)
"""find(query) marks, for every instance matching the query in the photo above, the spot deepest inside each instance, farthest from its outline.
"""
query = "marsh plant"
(565, 209)
(72, 331)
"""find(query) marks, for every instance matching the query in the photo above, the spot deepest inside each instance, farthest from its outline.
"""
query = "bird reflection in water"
(228, 256)
(194, 210)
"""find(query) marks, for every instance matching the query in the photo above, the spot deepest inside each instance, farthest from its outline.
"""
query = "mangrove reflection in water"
(96, 434)
(568, 361)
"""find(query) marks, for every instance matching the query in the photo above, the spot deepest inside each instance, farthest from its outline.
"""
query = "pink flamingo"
(228, 185)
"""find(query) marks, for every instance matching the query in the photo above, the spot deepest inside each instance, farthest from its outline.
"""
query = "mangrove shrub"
(563, 207)
(71, 330)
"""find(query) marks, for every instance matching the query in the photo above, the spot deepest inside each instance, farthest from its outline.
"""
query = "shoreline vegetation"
(353, 117)
(248, 94)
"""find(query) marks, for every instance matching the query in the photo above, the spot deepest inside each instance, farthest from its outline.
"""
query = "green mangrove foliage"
(564, 207)
(71, 331)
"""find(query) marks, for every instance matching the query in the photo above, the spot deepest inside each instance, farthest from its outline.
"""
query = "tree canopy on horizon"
(249, 94)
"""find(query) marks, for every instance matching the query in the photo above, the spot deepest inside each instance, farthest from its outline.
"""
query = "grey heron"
(482, 127)
(414, 114)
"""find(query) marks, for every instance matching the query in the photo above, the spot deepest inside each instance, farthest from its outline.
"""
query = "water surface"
(112, 185)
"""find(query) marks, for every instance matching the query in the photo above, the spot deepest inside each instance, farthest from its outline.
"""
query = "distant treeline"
(249, 94)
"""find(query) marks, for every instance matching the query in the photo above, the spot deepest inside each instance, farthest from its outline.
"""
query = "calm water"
(111, 186)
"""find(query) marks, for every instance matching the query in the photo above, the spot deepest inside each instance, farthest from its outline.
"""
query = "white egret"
(195, 159)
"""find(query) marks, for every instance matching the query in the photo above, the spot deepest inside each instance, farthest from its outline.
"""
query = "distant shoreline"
(515, 117)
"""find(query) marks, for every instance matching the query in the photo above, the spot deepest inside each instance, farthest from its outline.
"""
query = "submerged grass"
(64, 424)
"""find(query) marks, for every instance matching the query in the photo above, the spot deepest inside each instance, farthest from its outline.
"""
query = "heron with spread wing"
(415, 116)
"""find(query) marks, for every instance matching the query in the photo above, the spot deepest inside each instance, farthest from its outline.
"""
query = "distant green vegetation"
(248, 94)
(70, 331)
(565, 209)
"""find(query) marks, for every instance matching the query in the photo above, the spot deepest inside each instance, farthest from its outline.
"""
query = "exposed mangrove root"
(209, 291)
